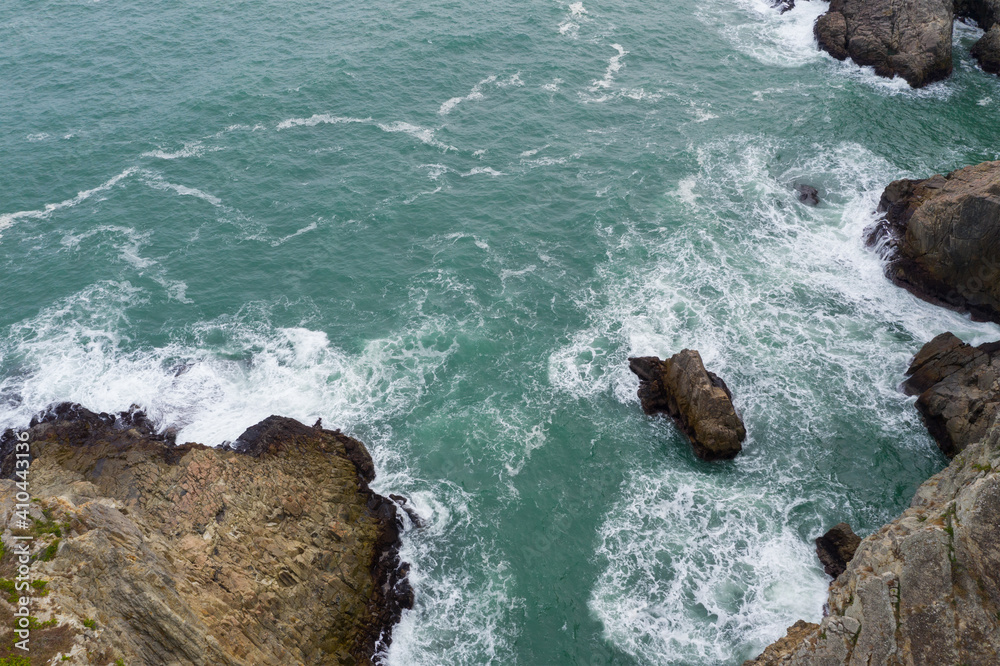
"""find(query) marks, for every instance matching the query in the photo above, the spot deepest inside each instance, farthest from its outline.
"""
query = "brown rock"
(941, 237)
(907, 38)
(196, 555)
(836, 548)
(698, 401)
(958, 390)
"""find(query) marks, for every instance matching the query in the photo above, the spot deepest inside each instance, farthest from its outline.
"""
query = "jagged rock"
(808, 194)
(987, 50)
(924, 590)
(783, 5)
(941, 237)
(275, 553)
(836, 548)
(697, 400)
(907, 38)
(959, 390)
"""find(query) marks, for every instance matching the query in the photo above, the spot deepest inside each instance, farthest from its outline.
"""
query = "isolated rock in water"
(808, 194)
(924, 589)
(959, 390)
(941, 237)
(275, 553)
(987, 50)
(907, 38)
(697, 400)
(836, 548)
(783, 5)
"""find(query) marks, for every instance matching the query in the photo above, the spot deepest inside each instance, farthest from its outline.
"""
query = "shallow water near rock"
(444, 229)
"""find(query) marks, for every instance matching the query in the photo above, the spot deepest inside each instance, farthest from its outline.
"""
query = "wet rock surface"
(698, 401)
(910, 39)
(274, 553)
(958, 389)
(941, 238)
(836, 548)
(907, 38)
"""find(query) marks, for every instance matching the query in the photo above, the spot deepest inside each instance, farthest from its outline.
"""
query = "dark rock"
(958, 390)
(941, 237)
(698, 401)
(808, 194)
(985, 13)
(836, 548)
(987, 50)
(783, 5)
(911, 39)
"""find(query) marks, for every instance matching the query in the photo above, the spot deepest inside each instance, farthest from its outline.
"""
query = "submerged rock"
(276, 552)
(941, 237)
(922, 590)
(958, 389)
(836, 548)
(698, 401)
(911, 39)
(783, 5)
(808, 194)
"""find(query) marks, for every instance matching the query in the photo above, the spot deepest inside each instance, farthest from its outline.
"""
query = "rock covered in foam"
(697, 400)
(836, 548)
(276, 552)
(922, 590)
(958, 389)
(941, 237)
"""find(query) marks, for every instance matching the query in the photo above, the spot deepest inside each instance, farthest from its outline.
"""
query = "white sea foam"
(156, 181)
(477, 91)
(8, 219)
(319, 119)
(312, 226)
(191, 149)
(78, 349)
(486, 170)
(614, 66)
(758, 30)
(690, 562)
(475, 94)
(423, 134)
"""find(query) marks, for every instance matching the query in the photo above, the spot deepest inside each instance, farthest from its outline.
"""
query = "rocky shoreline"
(273, 550)
(925, 588)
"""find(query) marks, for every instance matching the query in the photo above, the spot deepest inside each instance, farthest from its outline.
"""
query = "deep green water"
(443, 227)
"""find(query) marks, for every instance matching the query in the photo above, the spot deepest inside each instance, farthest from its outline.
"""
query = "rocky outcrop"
(941, 238)
(698, 401)
(987, 50)
(272, 551)
(907, 38)
(925, 589)
(836, 548)
(958, 389)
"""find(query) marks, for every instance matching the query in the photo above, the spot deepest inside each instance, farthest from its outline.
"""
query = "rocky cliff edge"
(270, 551)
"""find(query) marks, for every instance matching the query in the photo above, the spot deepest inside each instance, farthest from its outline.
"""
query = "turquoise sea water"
(443, 227)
